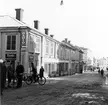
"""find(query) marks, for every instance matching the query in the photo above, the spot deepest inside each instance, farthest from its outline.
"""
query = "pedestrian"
(99, 70)
(4, 70)
(19, 72)
(91, 69)
(10, 73)
(41, 73)
(3, 76)
(34, 70)
(102, 72)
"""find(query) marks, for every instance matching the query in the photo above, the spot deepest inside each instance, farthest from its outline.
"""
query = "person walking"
(34, 70)
(19, 72)
(41, 73)
(102, 72)
(9, 74)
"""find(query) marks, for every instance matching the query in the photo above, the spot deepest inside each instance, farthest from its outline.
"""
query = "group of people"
(101, 72)
(10, 73)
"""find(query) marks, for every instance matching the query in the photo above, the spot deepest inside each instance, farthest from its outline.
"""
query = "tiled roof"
(7, 21)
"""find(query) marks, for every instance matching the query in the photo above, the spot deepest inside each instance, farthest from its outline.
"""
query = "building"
(87, 58)
(65, 56)
(20, 42)
(103, 63)
(49, 54)
(79, 59)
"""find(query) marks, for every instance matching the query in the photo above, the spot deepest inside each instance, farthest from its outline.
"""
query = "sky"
(83, 22)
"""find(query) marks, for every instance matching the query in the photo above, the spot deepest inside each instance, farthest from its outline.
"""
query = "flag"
(61, 3)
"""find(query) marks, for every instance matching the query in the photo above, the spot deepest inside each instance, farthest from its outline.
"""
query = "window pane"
(8, 42)
(13, 42)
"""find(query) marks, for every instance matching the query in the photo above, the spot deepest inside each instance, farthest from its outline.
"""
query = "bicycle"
(38, 79)
(15, 79)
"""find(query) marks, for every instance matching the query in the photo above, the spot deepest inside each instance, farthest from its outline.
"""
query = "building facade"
(20, 42)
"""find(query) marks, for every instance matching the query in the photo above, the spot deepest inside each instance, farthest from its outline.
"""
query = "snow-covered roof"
(8, 21)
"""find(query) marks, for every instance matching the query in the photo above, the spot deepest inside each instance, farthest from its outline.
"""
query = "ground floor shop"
(24, 57)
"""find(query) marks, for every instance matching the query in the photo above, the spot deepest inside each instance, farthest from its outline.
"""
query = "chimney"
(52, 36)
(69, 42)
(46, 31)
(65, 39)
(19, 14)
(36, 24)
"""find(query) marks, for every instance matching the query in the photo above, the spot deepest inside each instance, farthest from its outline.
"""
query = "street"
(79, 89)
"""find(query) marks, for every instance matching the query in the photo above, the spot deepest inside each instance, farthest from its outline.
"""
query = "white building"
(20, 42)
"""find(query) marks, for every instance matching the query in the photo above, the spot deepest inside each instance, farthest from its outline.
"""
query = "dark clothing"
(19, 72)
(34, 73)
(19, 83)
(99, 71)
(10, 73)
(102, 72)
(41, 72)
(3, 76)
(19, 69)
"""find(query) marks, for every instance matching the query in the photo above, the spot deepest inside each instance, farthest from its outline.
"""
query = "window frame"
(11, 40)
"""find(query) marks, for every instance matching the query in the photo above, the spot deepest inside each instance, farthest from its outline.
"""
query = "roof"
(79, 49)
(69, 45)
(8, 21)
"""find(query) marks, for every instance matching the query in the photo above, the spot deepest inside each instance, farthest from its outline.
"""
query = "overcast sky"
(83, 22)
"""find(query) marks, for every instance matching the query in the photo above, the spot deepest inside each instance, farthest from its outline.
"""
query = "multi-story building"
(79, 59)
(87, 58)
(103, 63)
(20, 42)
(65, 56)
(49, 53)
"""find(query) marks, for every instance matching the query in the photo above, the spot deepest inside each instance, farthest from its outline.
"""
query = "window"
(31, 44)
(52, 47)
(38, 44)
(11, 42)
(47, 46)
